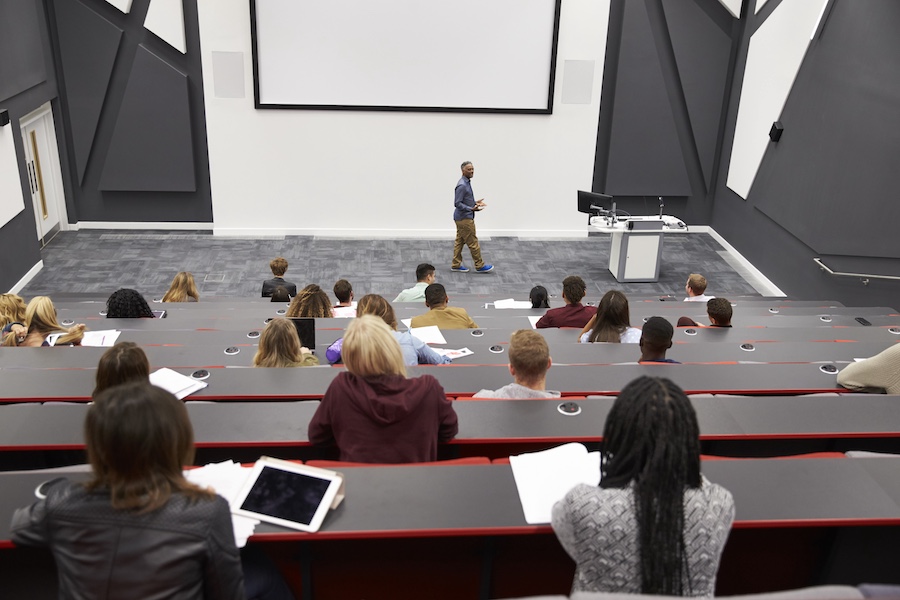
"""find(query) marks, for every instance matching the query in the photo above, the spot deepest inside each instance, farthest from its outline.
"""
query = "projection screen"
(411, 55)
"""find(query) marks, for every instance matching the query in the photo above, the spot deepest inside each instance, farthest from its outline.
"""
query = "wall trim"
(188, 226)
(753, 275)
(424, 234)
(26, 279)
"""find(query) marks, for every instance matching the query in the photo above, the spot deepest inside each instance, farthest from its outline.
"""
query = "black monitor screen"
(306, 329)
(585, 199)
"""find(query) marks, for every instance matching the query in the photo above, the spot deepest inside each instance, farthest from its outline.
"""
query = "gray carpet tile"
(99, 262)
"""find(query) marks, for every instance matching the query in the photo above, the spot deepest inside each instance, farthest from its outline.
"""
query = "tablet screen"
(286, 495)
(306, 329)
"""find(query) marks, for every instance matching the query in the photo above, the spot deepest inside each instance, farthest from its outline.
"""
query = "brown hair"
(342, 290)
(719, 311)
(120, 364)
(574, 289)
(697, 283)
(529, 354)
(370, 349)
(279, 266)
(279, 345)
(182, 288)
(612, 319)
(138, 439)
(373, 304)
(12, 309)
(311, 301)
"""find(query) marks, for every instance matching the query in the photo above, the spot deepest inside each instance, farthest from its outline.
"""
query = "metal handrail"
(864, 276)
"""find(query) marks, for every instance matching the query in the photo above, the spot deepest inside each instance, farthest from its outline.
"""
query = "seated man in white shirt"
(696, 289)
(424, 278)
(529, 360)
(345, 307)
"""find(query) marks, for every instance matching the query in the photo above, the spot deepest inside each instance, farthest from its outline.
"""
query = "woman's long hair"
(138, 439)
(652, 441)
(311, 301)
(612, 318)
(373, 304)
(40, 320)
(122, 363)
(12, 309)
(182, 288)
(371, 350)
(539, 297)
(279, 345)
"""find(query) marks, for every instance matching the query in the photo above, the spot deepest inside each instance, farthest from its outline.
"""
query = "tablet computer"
(306, 329)
(288, 494)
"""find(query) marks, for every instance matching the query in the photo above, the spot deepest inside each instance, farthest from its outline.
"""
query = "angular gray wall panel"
(151, 148)
(87, 45)
(832, 179)
(644, 154)
(24, 67)
(702, 52)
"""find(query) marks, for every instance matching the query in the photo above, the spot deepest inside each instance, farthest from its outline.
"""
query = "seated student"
(696, 288)
(312, 301)
(345, 307)
(279, 267)
(529, 360)
(40, 322)
(612, 323)
(126, 303)
(12, 315)
(881, 371)
(183, 289)
(138, 528)
(372, 411)
(654, 525)
(719, 312)
(280, 294)
(123, 363)
(415, 351)
(573, 314)
(424, 278)
(539, 297)
(279, 346)
(656, 338)
(445, 317)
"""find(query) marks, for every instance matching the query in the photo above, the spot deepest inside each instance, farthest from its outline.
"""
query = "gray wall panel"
(23, 67)
(151, 147)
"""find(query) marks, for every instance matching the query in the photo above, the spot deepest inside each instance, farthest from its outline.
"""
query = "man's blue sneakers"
(485, 269)
(461, 269)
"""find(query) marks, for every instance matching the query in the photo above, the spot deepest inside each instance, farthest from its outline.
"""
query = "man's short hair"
(435, 294)
(719, 311)
(463, 165)
(657, 333)
(529, 354)
(342, 290)
(279, 266)
(574, 288)
(697, 283)
(423, 271)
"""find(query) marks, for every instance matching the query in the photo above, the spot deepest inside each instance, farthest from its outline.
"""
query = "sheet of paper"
(104, 338)
(407, 322)
(510, 303)
(226, 478)
(543, 478)
(534, 319)
(430, 335)
(175, 383)
(453, 354)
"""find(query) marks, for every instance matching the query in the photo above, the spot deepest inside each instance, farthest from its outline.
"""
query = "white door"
(44, 174)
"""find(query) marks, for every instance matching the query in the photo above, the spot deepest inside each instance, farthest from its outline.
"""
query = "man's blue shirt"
(464, 200)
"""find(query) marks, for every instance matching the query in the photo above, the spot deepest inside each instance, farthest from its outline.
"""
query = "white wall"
(347, 173)
(11, 200)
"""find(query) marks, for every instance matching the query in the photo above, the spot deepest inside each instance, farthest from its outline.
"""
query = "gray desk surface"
(411, 501)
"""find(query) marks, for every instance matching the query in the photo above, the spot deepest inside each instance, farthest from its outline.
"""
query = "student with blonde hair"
(529, 361)
(183, 289)
(12, 315)
(372, 411)
(279, 346)
(40, 321)
(311, 301)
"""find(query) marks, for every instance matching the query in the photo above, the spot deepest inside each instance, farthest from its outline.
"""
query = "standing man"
(464, 216)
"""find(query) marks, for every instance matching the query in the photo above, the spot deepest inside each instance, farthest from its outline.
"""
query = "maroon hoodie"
(386, 419)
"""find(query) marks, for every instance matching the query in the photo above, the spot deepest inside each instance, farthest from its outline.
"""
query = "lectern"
(636, 249)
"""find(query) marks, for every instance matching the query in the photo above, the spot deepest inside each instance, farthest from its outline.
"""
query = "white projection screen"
(427, 55)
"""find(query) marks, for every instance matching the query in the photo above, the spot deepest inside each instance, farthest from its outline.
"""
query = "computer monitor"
(586, 199)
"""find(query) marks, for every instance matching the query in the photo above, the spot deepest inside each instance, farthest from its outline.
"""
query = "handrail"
(864, 276)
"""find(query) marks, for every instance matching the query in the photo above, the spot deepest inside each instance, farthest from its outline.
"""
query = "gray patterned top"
(598, 528)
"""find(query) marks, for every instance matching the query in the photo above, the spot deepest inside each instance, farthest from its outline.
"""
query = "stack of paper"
(544, 478)
(104, 338)
(226, 479)
(175, 383)
(510, 303)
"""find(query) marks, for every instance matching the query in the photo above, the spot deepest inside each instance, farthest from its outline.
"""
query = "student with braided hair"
(654, 525)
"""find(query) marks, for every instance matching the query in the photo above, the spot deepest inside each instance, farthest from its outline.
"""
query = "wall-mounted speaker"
(776, 131)
(4, 118)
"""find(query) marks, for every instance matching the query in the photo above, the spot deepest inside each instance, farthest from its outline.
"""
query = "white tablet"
(288, 494)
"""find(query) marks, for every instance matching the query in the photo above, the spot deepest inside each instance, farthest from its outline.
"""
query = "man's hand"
(480, 204)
